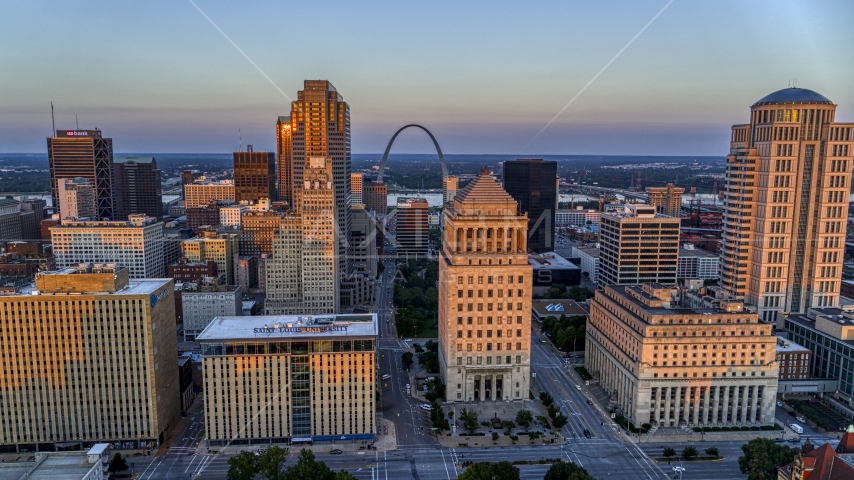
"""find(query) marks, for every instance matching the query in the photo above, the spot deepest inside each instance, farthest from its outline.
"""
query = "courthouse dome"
(793, 95)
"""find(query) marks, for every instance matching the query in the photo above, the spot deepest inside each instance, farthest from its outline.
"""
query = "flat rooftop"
(621, 290)
(791, 347)
(592, 251)
(550, 260)
(61, 465)
(807, 322)
(558, 307)
(696, 252)
(289, 327)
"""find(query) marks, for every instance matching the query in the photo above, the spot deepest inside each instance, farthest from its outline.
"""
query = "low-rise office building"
(696, 263)
(201, 304)
(290, 379)
(550, 269)
(668, 365)
(589, 261)
(542, 309)
(795, 360)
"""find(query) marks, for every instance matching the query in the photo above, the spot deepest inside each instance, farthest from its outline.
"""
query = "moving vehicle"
(779, 404)
(587, 433)
(336, 451)
(578, 387)
(801, 419)
(796, 428)
(589, 402)
(425, 406)
(386, 376)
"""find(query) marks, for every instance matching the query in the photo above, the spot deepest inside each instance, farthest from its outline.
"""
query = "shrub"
(754, 428)
(713, 451)
(669, 452)
(745, 429)
(716, 429)
(494, 436)
(689, 452)
(697, 429)
(725, 429)
(707, 429)
(646, 426)
(514, 438)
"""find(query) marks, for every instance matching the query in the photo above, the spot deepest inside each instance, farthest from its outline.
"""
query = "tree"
(469, 418)
(117, 464)
(567, 471)
(559, 420)
(762, 457)
(524, 418)
(307, 468)
(342, 475)
(669, 452)
(561, 339)
(546, 398)
(490, 471)
(553, 411)
(689, 452)
(243, 466)
(713, 451)
(407, 359)
(271, 463)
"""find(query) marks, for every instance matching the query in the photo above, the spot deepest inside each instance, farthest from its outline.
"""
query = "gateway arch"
(435, 143)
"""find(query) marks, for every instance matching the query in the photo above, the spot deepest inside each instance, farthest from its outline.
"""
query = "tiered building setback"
(485, 296)
(788, 183)
(672, 366)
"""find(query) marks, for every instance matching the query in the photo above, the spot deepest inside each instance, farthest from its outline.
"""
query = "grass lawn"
(431, 331)
(582, 372)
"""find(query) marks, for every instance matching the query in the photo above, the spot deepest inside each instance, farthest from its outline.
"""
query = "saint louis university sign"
(310, 329)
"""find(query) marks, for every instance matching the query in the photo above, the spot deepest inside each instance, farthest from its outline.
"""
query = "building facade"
(247, 271)
(254, 176)
(375, 196)
(200, 218)
(203, 303)
(531, 182)
(222, 248)
(795, 361)
(787, 189)
(257, 232)
(578, 217)
(672, 366)
(302, 275)
(136, 243)
(77, 199)
(232, 215)
(697, 263)
(636, 245)
(589, 261)
(666, 200)
(201, 194)
(290, 379)
(412, 228)
(284, 163)
(450, 185)
(137, 187)
(86, 154)
(485, 296)
(117, 382)
(356, 188)
(185, 271)
(363, 241)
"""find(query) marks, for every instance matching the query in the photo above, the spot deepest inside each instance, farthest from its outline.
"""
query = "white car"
(578, 387)
(801, 419)
(779, 404)
(425, 406)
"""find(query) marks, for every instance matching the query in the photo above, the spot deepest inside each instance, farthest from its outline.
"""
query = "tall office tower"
(96, 365)
(788, 183)
(531, 182)
(137, 187)
(285, 396)
(187, 177)
(363, 241)
(222, 248)
(87, 154)
(200, 194)
(412, 227)
(77, 199)
(356, 188)
(666, 200)
(254, 176)
(485, 285)
(10, 219)
(450, 185)
(637, 245)
(669, 365)
(302, 273)
(320, 120)
(136, 243)
(284, 165)
(375, 196)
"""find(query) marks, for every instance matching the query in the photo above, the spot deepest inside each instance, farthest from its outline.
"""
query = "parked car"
(425, 406)
(587, 433)
(589, 402)
(779, 440)
(779, 404)
(336, 451)
(578, 387)
(801, 419)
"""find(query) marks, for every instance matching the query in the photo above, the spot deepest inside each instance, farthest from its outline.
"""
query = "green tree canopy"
(524, 418)
(117, 464)
(762, 457)
(469, 418)
(271, 463)
(490, 471)
(243, 466)
(567, 471)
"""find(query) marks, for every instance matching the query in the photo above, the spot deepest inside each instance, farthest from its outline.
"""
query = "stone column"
(696, 404)
(726, 409)
(745, 400)
(706, 406)
(716, 405)
(657, 409)
(667, 393)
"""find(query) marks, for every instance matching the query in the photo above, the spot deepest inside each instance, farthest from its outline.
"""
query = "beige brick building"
(290, 379)
(666, 200)
(90, 355)
(667, 365)
(485, 296)
(222, 248)
(200, 194)
(788, 183)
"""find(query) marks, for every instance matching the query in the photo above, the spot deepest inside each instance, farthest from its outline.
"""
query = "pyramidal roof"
(483, 189)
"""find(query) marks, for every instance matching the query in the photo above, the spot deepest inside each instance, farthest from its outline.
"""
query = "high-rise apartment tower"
(788, 183)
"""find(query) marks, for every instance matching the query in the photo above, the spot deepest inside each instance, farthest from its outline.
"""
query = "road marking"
(445, 464)
(190, 465)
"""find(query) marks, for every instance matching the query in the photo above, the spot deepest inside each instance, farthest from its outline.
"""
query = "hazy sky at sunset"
(484, 77)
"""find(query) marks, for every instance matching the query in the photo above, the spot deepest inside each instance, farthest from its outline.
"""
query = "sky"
(483, 77)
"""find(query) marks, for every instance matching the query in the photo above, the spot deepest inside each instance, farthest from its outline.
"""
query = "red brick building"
(795, 361)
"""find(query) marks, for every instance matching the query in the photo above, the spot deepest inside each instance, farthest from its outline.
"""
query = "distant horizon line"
(405, 153)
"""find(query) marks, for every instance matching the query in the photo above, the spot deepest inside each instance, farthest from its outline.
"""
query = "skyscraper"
(375, 196)
(284, 163)
(788, 183)
(137, 187)
(412, 227)
(86, 154)
(485, 286)
(302, 274)
(637, 245)
(449, 188)
(320, 120)
(531, 182)
(254, 176)
(666, 200)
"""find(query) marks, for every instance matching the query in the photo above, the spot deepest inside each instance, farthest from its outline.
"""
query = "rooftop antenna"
(52, 120)
(240, 138)
(76, 122)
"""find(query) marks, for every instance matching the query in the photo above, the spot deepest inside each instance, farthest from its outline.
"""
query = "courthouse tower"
(485, 296)
(787, 189)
